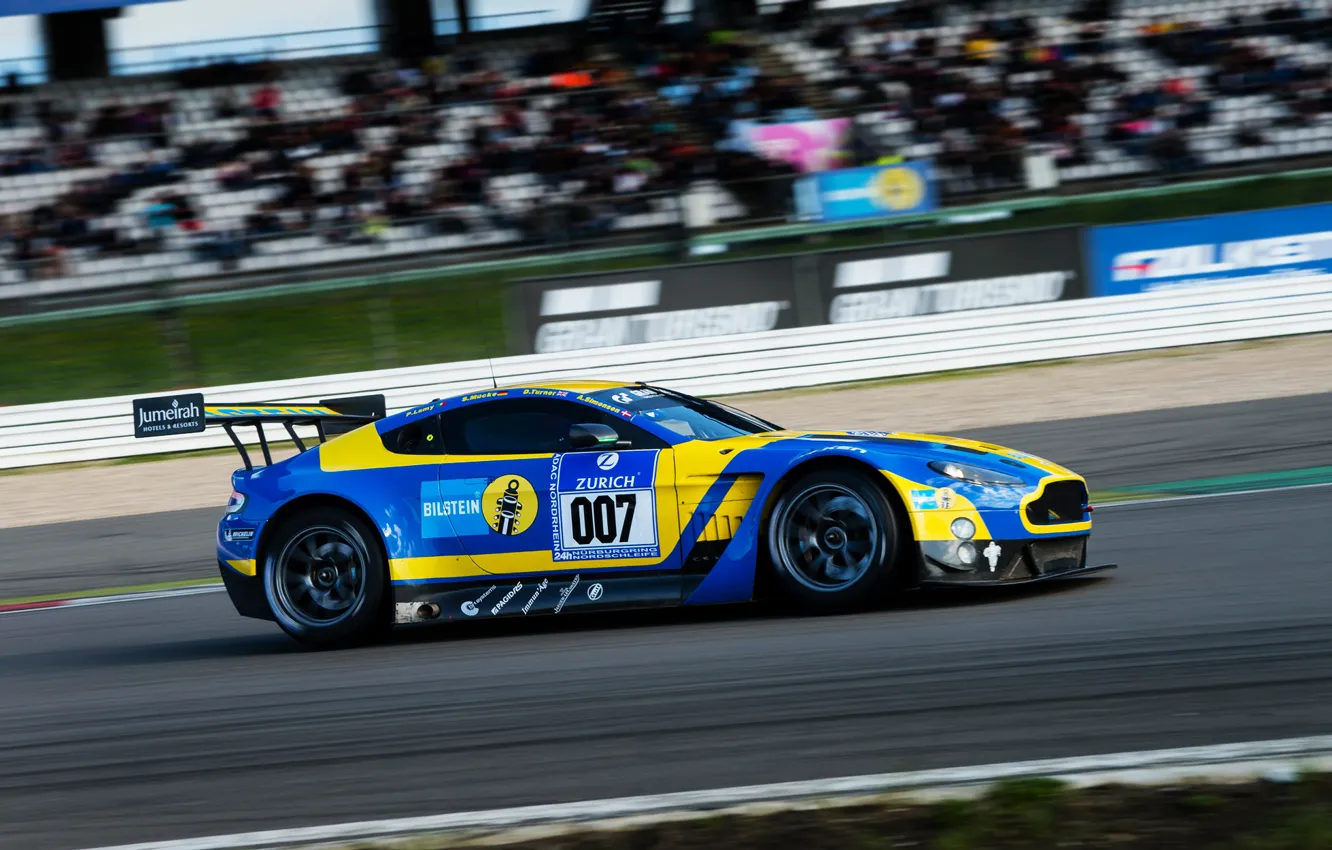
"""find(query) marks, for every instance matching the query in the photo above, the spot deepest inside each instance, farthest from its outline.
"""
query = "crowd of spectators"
(588, 125)
(605, 130)
(40, 237)
(1006, 88)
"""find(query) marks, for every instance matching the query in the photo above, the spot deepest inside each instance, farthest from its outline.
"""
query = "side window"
(415, 438)
(506, 427)
(636, 437)
(528, 426)
(514, 432)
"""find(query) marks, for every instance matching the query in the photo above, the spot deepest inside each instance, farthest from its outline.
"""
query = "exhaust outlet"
(428, 611)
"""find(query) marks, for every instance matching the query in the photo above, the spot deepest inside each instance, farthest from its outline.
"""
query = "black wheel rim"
(827, 537)
(319, 579)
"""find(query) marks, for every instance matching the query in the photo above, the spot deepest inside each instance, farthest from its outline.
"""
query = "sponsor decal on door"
(603, 506)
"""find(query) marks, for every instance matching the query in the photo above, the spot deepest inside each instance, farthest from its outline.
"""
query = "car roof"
(483, 395)
(584, 386)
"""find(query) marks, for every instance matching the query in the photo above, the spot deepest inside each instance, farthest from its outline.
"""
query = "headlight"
(974, 474)
(236, 503)
(963, 528)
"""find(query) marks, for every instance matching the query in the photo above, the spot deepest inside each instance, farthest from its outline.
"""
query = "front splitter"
(1012, 582)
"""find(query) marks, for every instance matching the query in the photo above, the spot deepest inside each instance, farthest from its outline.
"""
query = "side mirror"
(592, 436)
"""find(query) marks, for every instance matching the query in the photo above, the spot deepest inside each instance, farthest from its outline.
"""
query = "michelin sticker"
(603, 506)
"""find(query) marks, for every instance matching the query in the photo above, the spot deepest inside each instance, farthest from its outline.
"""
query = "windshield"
(685, 415)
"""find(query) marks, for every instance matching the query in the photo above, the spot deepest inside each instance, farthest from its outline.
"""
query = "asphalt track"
(1111, 451)
(174, 718)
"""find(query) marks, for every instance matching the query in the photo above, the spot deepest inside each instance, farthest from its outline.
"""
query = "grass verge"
(110, 591)
(1028, 814)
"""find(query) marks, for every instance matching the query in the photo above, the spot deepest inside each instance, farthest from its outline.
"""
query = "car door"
(528, 506)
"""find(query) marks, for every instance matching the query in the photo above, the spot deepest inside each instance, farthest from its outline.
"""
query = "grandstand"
(553, 138)
(1151, 88)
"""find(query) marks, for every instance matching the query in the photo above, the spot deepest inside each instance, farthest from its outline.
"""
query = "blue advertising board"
(871, 192)
(1132, 258)
(9, 8)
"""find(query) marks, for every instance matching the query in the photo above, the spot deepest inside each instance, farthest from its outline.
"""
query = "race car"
(587, 496)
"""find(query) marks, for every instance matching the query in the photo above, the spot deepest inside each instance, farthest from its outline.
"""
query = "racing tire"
(326, 579)
(833, 541)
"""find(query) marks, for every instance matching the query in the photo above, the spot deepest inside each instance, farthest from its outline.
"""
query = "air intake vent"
(1062, 501)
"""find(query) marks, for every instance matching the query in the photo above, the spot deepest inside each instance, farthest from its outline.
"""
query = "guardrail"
(95, 429)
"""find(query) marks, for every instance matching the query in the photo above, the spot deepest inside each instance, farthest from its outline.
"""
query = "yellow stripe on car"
(446, 567)
(934, 523)
(216, 412)
(433, 567)
(245, 568)
(724, 524)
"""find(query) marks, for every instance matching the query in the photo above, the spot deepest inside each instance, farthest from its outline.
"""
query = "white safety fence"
(92, 429)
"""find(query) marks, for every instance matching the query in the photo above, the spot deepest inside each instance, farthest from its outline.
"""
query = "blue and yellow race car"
(587, 496)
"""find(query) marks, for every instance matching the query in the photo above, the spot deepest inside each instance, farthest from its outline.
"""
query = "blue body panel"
(586, 520)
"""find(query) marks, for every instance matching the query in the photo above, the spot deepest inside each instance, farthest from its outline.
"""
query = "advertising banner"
(51, 7)
(172, 414)
(948, 275)
(871, 192)
(652, 305)
(808, 146)
(749, 296)
(1132, 258)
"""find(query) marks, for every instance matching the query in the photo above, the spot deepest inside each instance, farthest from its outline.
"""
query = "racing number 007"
(598, 518)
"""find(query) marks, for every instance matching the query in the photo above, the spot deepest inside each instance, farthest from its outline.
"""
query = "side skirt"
(532, 595)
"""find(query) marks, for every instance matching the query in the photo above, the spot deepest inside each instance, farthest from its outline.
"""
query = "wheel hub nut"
(834, 538)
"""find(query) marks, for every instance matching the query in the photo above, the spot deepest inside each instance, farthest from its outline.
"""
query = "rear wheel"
(325, 579)
(833, 541)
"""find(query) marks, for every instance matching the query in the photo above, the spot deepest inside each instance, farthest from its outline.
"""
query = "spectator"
(160, 218)
(264, 222)
(1248, 137)
(266, 102)
(1172, 153)
(225, 107)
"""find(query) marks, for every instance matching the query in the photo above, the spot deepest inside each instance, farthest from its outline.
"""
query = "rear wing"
(187, 414)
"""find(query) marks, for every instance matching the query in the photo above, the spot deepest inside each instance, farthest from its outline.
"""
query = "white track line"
(1157, 500)
(84, 602)
(1224, 762)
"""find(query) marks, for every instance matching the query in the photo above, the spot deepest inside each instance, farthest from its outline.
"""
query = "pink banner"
(807, 145)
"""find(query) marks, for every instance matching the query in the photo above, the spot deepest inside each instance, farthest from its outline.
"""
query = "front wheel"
(325, 579)
(833, 541)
